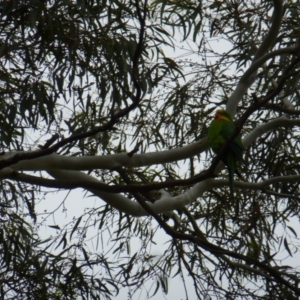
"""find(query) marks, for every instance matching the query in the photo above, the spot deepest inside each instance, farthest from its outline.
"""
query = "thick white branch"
(58, 162)
(282, 121)
(113, 161)
(256, 185)
(117, 201)
(164, 204)
(248, 78)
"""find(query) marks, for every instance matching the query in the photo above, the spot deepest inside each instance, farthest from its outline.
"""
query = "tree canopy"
(115, 98)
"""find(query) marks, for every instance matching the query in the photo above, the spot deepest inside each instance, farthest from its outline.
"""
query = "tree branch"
(246, 80)
(273, 32)
(216, 250)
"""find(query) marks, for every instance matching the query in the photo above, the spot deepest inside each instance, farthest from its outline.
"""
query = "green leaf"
(75, 226)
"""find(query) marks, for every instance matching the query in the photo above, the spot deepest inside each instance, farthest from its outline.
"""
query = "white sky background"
(76, 202)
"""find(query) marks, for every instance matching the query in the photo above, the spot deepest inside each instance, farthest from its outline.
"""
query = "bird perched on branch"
(219, 131)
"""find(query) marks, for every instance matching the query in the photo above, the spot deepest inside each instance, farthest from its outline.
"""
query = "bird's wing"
(236, 147)
(215, 137)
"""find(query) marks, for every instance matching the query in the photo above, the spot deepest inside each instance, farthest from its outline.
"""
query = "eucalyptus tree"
(115, 98)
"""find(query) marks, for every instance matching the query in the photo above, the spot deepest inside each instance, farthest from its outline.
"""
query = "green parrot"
(219, 131)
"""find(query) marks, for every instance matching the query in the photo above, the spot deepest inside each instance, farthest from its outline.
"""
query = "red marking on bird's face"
(220, 116)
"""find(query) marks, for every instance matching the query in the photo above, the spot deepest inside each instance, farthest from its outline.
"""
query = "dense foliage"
(115, 98)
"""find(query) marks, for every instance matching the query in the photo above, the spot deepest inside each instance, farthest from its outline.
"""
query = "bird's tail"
(231, 179)
(231, 163)
(231, 186)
